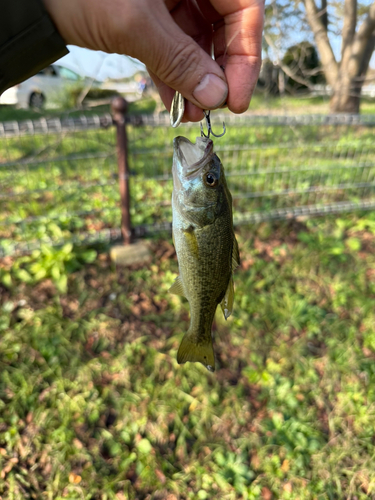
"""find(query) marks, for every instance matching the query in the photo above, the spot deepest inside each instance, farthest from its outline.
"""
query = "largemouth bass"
(206, 246)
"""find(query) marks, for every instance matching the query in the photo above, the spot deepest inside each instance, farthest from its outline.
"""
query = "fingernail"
(211, 92)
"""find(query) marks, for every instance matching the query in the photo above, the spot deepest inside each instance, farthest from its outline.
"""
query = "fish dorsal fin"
(227, 302)
(235, 254)
(177, 288)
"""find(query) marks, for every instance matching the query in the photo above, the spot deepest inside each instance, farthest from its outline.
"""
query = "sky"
(99, 65)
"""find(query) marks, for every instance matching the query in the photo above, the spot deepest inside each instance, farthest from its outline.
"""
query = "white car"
(42, 89)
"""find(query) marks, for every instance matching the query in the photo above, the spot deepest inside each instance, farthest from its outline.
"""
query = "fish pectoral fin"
(235, 255)
(227, 302)
(177, 288)
(196, 353)
(190, 239)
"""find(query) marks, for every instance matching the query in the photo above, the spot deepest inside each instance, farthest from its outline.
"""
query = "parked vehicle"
(42, 89)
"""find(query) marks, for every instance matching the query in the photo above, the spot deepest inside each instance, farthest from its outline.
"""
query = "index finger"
(238, 26)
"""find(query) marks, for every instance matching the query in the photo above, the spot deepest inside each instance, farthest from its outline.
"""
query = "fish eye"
(211, 179)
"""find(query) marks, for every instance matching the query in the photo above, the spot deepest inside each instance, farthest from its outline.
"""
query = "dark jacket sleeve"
(29, 41)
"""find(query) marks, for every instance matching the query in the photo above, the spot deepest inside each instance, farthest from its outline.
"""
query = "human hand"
(173, 38)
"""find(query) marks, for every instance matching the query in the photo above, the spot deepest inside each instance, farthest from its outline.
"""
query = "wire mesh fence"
(59, 179)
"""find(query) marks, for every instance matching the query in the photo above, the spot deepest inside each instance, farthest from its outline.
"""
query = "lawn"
(260, 104)
(8, 113)
(64, 187)
(94, 405)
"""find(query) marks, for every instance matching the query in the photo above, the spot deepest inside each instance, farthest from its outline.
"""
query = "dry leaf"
(266, 493)
(121, 496)
(285, 465)
(288, 487)
(74, 478)
(160, 476)
(255, 462)
(77, 443)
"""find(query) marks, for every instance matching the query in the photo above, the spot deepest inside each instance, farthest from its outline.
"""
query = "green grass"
(260, 104)
(58, 197)
(10, 113)
(303, 104)
(93, 404)
(299, 104)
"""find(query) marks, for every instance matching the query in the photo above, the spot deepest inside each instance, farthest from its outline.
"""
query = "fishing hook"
(209, 127)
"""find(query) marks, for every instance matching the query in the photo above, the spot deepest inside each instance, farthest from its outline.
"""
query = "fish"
(205, 243)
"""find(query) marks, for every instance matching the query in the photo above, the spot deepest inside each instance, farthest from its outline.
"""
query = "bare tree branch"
(323, 12)
(319, 30)
(370, 46)
(367, 27)
(357, 59)
(287, 70)
(350, 23)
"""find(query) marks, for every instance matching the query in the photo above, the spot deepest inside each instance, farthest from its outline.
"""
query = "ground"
(94, 404)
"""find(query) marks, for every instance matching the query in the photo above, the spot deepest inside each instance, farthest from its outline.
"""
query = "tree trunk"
(344, 100)
(281, 82)
(347, 90)
(347, 77)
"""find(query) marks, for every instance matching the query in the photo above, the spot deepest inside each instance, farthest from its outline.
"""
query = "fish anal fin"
(196, 353)
(235, 254)
(177, 288)
(227, 302)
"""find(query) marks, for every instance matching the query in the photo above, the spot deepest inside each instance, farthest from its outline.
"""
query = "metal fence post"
(119, 108)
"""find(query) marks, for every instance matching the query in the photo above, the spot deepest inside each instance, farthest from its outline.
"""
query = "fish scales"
(205, 272)
(205, 243)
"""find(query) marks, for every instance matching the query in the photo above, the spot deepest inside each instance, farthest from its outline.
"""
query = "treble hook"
(209, 128)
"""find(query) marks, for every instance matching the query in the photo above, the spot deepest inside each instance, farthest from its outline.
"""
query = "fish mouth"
(193, 156)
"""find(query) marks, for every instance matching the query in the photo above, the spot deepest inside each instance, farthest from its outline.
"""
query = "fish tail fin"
(196, 353)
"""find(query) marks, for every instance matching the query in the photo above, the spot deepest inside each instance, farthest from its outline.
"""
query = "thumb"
(176, 61)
